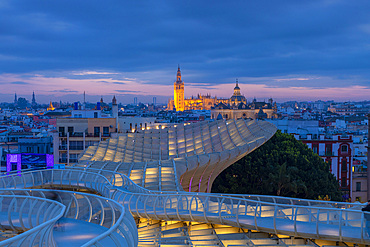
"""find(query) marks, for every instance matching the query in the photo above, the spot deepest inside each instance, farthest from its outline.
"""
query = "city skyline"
(287, 51)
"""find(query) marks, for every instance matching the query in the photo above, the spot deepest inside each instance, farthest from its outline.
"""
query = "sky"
(287, 50)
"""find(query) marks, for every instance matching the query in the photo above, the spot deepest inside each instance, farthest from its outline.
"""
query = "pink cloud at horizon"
(57, 87)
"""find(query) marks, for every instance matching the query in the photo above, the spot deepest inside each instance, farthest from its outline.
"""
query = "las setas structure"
(149, 189)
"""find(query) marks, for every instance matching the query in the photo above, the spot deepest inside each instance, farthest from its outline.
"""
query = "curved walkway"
(318, 222)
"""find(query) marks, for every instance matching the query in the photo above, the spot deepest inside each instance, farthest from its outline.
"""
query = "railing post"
(220, 210)
(255, 216)
(295, 221)
(317, 223)
(275, 212)
(205, 209)
(165, 207)
(189, 208)
(179, 198)
(155, 207)
(362, 226)
(237, 213)
(340, 225)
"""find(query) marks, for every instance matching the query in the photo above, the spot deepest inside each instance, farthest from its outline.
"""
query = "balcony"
(326, 153)
(62, 147)
(76, 134)
(76, 148)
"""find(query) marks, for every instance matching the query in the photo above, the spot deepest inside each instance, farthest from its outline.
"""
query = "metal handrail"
(294, 208)
(200, 204)
(290, 200)
(44, 228)
(102, 188)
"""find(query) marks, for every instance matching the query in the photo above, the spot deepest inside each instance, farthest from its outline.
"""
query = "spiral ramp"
(147, 189)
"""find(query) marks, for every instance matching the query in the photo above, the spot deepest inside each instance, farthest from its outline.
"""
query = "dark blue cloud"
(213, 40)
(19, 83)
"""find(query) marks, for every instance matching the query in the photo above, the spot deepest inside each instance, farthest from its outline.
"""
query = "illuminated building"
(51, 107)
(229, 108)
(254, 110)
(179, 92)
(201, 102)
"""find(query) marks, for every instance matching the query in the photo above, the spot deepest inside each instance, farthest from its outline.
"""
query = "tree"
(282, 166)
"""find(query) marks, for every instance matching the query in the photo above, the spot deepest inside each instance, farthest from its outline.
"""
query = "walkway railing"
(290, 216)
(121, 180)
(92, 209)
(30, 219)
(80, 206)
(327, 223)
(294, 220)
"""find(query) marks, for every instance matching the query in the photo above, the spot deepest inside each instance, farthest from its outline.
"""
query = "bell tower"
(179, 92)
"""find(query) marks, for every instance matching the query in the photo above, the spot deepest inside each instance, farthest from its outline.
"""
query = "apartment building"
(74, 135)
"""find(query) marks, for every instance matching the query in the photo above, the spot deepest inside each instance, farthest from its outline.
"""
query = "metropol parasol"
(153, 189)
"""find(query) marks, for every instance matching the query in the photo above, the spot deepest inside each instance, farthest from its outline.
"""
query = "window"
(96, 131)
(344, 182)
(76, 145)
(63, 158)
(358, 186)
(130, 126)
(344, 165)
(328, 150)
(105, 131)
(73, 158)
(344, 149)
(70, 130)
(315, 147)
(61, 129)
(95, 115)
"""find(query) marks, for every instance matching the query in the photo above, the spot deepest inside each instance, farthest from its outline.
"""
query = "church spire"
(237, 88)
(178, 76)
(33, 98)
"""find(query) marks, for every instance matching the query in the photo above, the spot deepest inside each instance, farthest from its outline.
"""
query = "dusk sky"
(287, 50)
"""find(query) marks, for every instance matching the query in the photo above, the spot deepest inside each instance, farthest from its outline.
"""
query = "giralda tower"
(179, 92)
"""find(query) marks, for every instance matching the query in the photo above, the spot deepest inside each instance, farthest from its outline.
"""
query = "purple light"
(13, 158)
(49, 161)
(17, 158)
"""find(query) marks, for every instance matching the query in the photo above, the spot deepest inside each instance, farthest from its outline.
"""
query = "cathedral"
(234, 107)
(201, 102)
